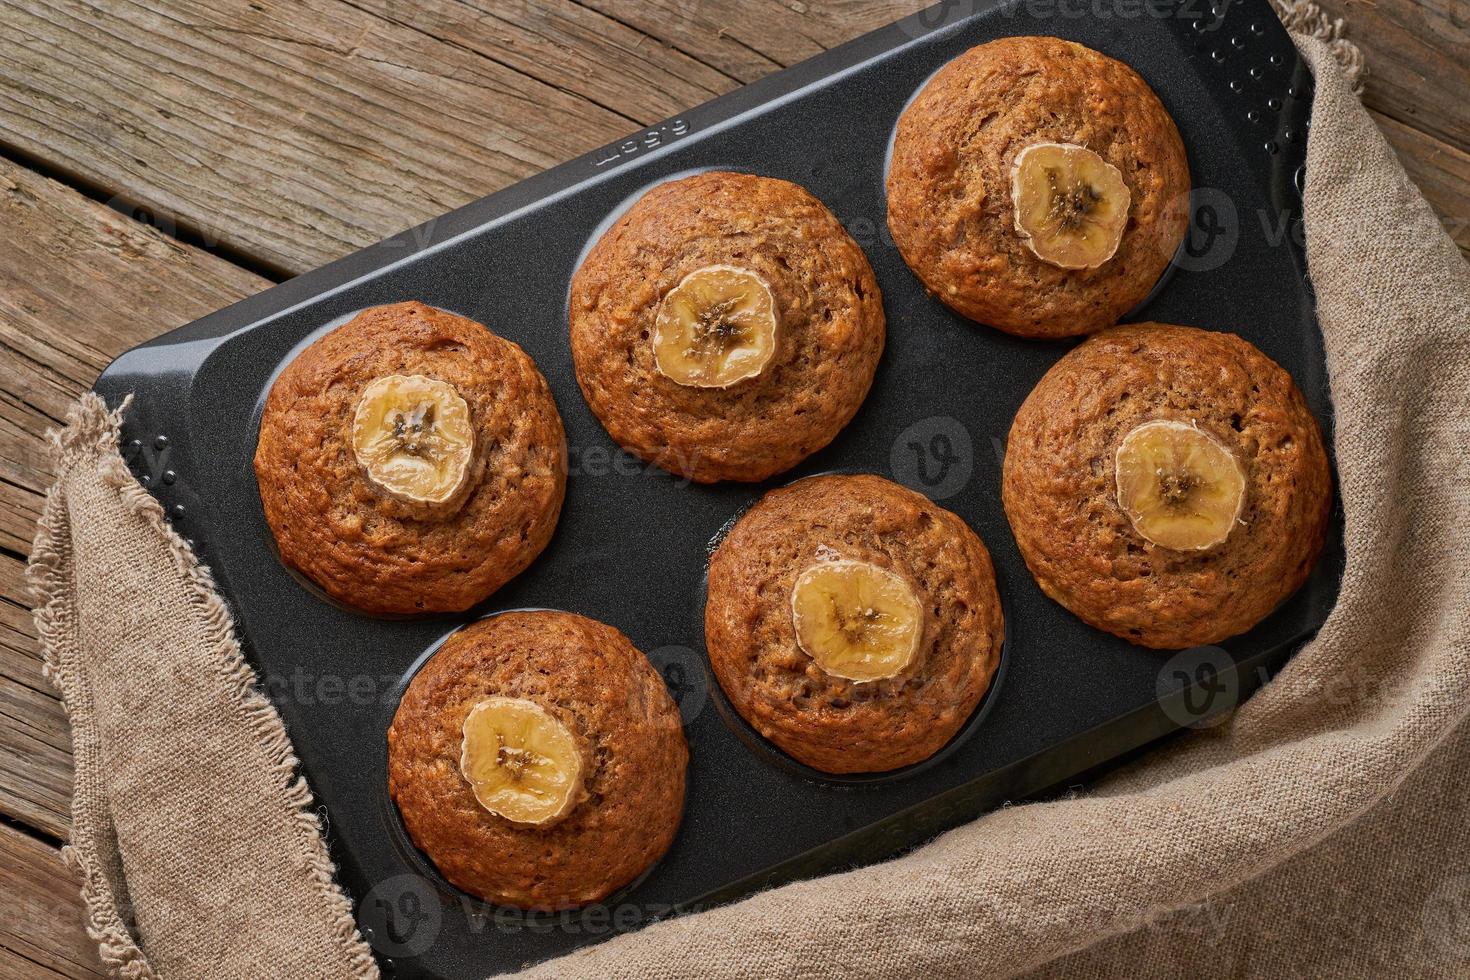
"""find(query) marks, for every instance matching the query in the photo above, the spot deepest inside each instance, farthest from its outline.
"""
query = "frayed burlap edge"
(1305, 17)
(90, 439)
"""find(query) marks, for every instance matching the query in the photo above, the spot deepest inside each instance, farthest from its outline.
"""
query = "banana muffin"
(853, 623)
(1038, 186)
(726, 327)
(411, 461)
(538, 760)
(1167, 484)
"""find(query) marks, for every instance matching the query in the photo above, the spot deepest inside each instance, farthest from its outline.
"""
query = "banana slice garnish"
(1180, 486)
(414, 439)
(856, 620)
(716, 328)
(1071, 205)
(522, 763)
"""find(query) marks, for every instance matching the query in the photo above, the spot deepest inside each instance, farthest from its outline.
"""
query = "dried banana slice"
(1181, 487)
(522, 763)
(1071, 205)
(414, 439)
(856, 620)
(715, 328)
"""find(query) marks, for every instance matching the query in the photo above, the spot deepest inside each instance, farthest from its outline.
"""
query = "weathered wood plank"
(35, 744)
(80, 283)
(41, 932)
(570, 47)
(1441, 172)
(1418, 66)
(744, 39)
(294, 131)
(36, 778)
(296, 148)
(13, 966)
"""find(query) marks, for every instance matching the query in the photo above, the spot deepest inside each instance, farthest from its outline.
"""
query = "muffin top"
(1038, 186)
(853, 623)
(1167, 484)
(617, 739)
(411, 461)
(725, 327)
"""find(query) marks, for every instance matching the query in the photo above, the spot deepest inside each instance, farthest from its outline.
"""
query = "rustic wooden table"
(161, 159)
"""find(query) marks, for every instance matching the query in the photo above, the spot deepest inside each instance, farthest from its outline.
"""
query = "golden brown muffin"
(628, 797)
(950, 203)
(788, 687)
(1065, 493)
(793, 394)
(357, 532)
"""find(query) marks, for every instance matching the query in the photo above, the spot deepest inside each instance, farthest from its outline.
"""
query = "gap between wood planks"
(41, 933)
(80, 283)
(292, 133)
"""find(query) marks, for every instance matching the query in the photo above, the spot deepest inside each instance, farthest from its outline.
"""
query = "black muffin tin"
(633, 542)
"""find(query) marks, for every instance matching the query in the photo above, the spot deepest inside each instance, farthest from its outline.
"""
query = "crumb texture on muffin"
(827, 345)
(949, 185)
(1061, 496)
(593, 680)
(365, 547)
(829, 722)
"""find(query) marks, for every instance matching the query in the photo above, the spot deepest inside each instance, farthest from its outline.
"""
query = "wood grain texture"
(569, 47)
(79, 284)
(41, 931)
(1418, 56)
(35, 747)
(1441, 172)
(293, 131)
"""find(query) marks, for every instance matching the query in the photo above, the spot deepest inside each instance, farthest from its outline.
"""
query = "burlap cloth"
(1320, 831)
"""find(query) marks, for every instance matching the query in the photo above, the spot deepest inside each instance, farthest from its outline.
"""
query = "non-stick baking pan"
(633, 541)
